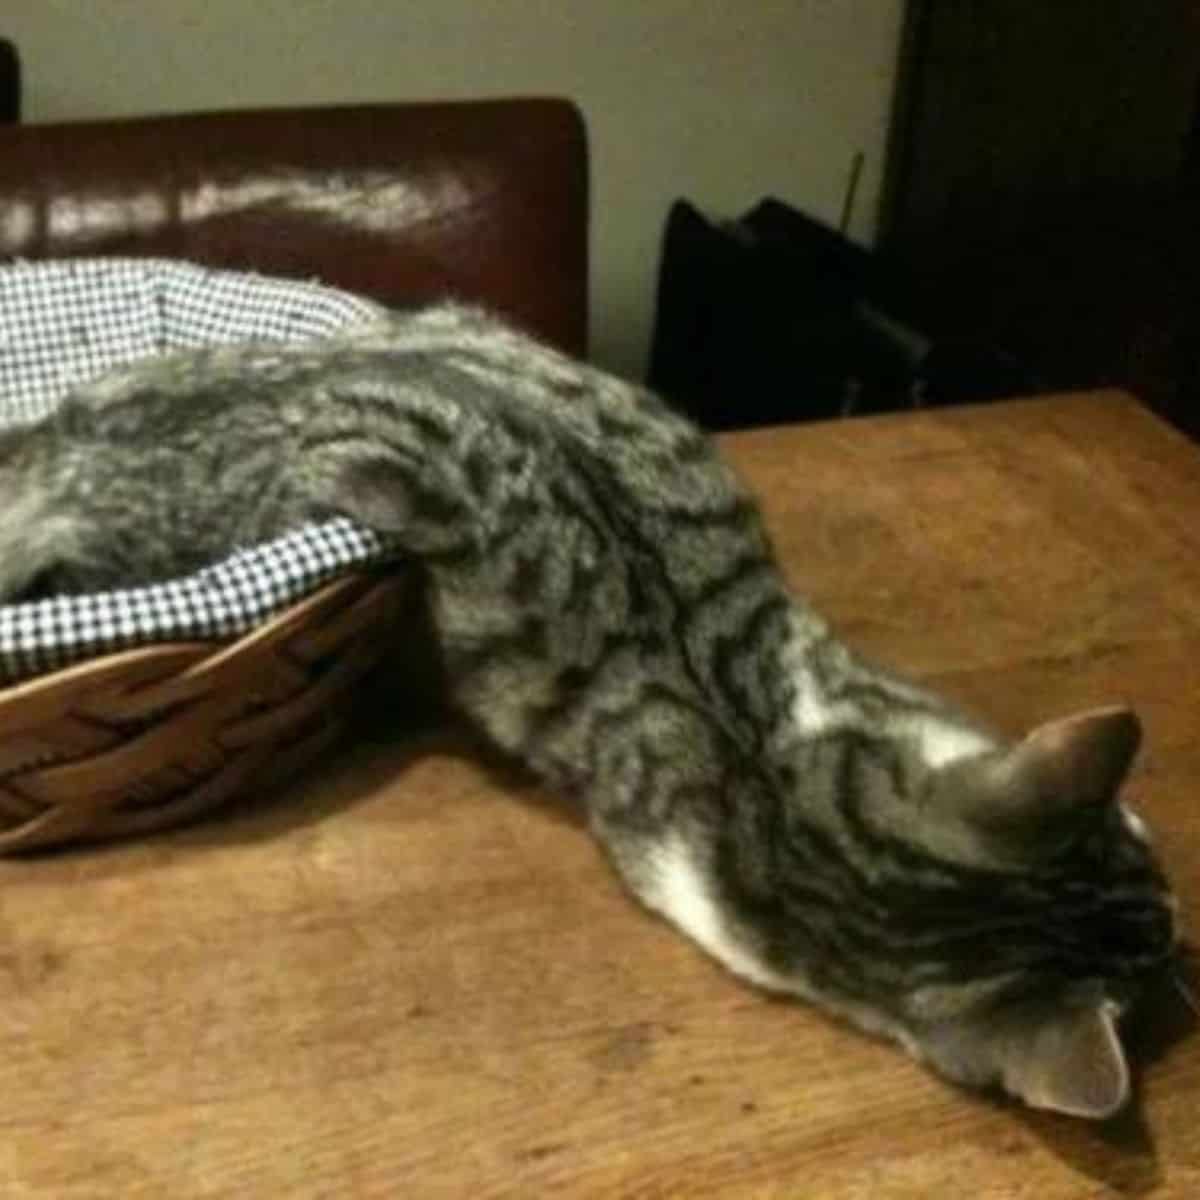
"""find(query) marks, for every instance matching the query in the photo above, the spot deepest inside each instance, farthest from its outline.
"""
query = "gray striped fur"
(610, 612)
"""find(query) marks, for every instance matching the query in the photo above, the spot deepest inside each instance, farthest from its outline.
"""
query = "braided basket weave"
(150, 737)
(167, 700)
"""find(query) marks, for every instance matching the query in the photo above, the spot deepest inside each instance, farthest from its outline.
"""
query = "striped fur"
(609, 610)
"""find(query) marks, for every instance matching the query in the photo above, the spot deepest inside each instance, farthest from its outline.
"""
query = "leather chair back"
(484, 200)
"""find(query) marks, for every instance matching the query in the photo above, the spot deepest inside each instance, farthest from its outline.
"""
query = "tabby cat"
(610, 612)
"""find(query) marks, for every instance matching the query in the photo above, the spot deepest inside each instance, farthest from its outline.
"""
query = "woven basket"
(140, 740)
(135, 739)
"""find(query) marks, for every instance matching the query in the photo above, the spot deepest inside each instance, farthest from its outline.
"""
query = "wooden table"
(411, 977)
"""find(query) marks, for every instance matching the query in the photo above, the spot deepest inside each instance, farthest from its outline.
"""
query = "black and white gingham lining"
(65, 322)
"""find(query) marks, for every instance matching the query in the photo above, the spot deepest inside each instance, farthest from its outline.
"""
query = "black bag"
(777, 318)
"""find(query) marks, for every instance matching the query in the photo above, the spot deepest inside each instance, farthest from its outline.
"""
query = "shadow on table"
(390, 734)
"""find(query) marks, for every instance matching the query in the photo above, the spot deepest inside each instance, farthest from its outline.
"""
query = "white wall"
(721, 101)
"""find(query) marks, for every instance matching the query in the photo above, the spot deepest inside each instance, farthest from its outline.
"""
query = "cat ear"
(1082, 759)
(1072, 1064)
(1061, 770)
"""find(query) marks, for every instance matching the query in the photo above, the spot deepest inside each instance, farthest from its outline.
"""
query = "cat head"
(1054, 912)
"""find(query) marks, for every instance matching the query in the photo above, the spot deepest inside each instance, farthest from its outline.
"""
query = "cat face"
(1078, 918)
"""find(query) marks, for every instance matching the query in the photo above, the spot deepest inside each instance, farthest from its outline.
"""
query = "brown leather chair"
(485, 200)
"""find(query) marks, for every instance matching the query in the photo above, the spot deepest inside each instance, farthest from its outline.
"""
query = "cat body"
(609, 610)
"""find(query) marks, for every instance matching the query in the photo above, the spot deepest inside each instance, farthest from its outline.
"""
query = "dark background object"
(775, 318)
(1043, 188)
(1039, 231)
(10, 82)
(754, 324)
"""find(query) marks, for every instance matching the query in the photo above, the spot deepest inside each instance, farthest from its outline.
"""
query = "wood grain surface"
(413, 976)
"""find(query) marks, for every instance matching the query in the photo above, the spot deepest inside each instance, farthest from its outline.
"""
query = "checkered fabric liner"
(65, 322)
